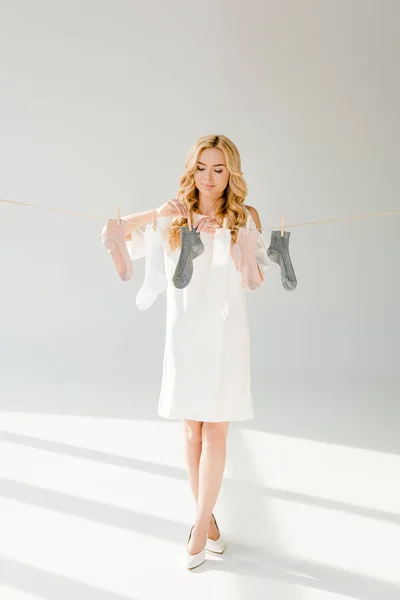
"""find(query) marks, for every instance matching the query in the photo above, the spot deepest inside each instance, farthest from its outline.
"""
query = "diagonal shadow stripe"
(21, 576)
(174, 472)
(95, 455)
(91, 510)
(246, 560)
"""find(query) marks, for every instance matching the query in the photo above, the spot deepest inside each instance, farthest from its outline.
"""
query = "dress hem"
(196, 418)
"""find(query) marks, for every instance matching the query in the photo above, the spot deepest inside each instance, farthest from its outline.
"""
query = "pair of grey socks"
(278, 252)
(191, 248)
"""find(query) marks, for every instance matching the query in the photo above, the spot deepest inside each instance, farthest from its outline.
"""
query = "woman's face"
(212, 175)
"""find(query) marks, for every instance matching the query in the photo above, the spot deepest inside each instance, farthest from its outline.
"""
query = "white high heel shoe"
(217, 546)
(194, 560)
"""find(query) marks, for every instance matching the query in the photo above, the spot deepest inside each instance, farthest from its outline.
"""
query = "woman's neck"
(206, 206)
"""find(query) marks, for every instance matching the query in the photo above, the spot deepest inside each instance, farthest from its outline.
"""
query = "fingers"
(182, 210)
(179, 207)
(203, 224)
(208, 224)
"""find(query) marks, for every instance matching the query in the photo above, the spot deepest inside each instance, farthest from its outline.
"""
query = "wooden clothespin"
(154, 220)
(118, 216)
(248, 225)
(283, 226)
(190, 219)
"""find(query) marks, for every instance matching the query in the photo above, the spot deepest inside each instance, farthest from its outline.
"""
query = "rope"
(70, 212)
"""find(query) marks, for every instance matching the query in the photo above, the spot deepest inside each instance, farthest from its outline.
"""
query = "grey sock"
(192, 247)
(278, 251)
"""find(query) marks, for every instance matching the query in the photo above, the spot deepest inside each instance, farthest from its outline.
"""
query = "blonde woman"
(206, 370)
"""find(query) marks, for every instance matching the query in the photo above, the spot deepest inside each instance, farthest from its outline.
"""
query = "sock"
(192, 247)
(245, 250)
(278, 251)
(113, 238)
(219, 270)
(155, 281)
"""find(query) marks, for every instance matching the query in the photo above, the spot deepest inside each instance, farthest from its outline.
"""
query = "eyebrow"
(220, 165)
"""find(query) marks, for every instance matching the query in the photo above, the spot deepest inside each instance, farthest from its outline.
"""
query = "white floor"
(98, 508)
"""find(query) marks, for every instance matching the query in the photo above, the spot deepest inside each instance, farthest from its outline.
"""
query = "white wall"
(99, 103)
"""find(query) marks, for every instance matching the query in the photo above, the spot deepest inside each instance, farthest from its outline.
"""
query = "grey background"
(99, 104)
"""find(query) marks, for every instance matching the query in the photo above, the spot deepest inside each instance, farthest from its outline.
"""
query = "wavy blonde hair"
(231, 203)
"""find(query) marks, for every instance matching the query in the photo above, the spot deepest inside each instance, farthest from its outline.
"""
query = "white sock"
(155, 281)
(219, 271)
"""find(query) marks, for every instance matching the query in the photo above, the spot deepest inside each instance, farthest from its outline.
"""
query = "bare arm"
(256, 218)
(138, 219)
(257, 221)
(169, 208)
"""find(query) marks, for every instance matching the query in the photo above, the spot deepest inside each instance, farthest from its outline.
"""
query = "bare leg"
(193, 445)
(211, 470)
(193, 449)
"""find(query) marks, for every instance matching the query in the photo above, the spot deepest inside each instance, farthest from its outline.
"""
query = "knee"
(214, 433)
(193, 431)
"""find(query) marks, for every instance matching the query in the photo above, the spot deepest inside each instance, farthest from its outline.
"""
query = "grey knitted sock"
(278, 251)
(192, 247)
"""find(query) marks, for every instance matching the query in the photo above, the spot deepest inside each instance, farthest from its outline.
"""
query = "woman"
(206, 371)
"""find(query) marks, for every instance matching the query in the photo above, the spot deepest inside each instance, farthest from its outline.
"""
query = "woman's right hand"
(172, 208)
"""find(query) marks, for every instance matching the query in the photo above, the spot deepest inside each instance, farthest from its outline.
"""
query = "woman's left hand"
(208, 225)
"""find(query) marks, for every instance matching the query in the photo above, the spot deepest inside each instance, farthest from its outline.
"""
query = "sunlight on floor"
(102, 502)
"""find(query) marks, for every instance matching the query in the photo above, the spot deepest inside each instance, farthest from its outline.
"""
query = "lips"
(208, 186)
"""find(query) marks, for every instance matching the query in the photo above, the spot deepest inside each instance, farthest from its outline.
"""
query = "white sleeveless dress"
(207, 356)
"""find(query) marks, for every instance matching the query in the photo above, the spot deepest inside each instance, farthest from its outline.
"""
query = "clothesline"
(262, 227)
